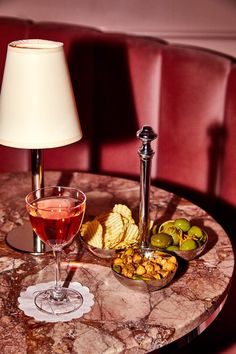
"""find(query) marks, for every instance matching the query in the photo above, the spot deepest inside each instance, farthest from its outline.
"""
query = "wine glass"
(56, 214)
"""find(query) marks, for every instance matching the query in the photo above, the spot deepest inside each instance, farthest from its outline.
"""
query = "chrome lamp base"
(23, 239)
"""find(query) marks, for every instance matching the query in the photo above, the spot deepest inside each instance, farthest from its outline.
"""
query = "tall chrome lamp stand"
(146, 135)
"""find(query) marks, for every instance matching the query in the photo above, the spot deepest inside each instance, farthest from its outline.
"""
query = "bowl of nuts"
(179, 237)
(144, 269)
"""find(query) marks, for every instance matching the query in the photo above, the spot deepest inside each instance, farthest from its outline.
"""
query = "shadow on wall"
(103, 92)
(218, 136)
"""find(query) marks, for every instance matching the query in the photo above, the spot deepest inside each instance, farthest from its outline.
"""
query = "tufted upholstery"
(122, 82)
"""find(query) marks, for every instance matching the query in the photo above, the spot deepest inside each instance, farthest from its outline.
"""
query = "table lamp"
(37, 111)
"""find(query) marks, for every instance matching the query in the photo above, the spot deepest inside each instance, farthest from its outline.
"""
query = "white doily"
(27, 305)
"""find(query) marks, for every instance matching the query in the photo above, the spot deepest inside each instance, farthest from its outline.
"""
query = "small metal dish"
(168, 228)
(146, 285)
(191, 254)
(99, 252)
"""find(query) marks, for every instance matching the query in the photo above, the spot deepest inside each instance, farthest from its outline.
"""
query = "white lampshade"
(37, 105)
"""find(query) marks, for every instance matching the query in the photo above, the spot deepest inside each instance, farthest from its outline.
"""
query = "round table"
(121, 320)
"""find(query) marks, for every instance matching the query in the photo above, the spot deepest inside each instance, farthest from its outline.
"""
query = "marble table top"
(121, 320)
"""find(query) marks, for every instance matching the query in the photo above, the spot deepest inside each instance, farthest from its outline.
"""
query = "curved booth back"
(122, 82)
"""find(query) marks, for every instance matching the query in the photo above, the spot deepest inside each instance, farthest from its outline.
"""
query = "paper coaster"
(27, 305)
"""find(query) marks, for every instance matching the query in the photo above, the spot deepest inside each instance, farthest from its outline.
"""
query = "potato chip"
(84, 228)
(113, 229)
(123, 210)
(92, 233)
(132, 234)
(109, 218)
(126, 222)
(129, 221)
(131, 237)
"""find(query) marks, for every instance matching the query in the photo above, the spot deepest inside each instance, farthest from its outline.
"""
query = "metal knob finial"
(146, 135)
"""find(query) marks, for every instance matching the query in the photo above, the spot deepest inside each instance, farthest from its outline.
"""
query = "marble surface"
(121, 320)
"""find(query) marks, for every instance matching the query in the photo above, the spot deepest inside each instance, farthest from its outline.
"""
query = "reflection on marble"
(121, 320)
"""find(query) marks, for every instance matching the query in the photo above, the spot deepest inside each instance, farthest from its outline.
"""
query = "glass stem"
(58, 293)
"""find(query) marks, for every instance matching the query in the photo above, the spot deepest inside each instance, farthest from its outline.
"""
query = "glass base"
(71, 301)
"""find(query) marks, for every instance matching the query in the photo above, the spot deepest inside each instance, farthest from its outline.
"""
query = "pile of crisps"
(115, 229)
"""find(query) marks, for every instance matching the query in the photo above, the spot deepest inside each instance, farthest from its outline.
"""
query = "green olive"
(172, 248)
(195, 231)
(188, 245)
(183, 224)
(176, 237)
(169, 228)
(117, 268)
(203, 238)
(165, 226)
(161, 240)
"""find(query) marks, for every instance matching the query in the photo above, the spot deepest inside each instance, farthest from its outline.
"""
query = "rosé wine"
(56, 220)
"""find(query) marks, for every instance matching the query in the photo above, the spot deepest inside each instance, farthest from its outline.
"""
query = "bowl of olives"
(144, 269)
(179, 237)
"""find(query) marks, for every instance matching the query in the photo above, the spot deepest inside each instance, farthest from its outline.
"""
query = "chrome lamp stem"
(37, 182)
(146, 135)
